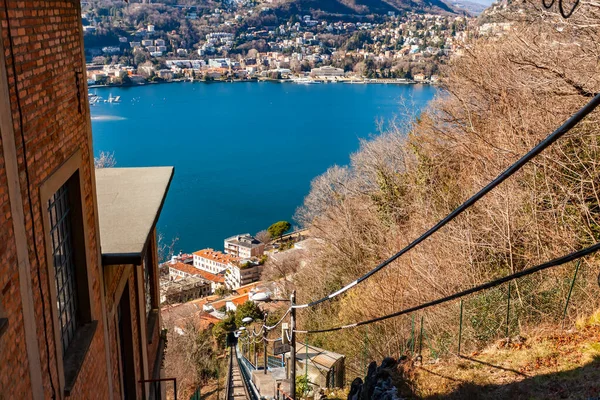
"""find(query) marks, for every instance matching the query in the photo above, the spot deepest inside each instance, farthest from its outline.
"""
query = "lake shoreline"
(245, 154)
(348, 82)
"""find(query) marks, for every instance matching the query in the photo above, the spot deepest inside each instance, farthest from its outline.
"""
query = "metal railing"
(251, 390)
(229, 374)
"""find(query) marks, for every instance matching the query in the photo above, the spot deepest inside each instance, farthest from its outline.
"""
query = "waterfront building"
(213, 261)
(327, 71)
(244, 246)
(218, 62)
(78, 261)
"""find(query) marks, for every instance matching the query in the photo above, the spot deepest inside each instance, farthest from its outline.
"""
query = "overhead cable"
(272, 340)
(553, 263)
(278, 322)
(561, 7)
(548, 141)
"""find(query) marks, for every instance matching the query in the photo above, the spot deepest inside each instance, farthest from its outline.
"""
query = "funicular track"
(237, 382)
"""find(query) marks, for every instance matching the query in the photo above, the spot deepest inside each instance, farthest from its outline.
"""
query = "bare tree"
(263, 236)
(165, 249)
(105, 160)
(500, 98)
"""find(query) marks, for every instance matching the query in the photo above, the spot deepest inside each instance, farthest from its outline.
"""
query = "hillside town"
(208, 272)
(133, 44)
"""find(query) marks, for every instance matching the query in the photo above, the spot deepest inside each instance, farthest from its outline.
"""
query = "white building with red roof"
(213, 261)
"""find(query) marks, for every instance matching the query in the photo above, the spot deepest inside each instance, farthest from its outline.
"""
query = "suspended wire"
(259, 332)
(561, 7)
(562, 10)
(548, 6)
(553, 263)
(548, 141)
(278, 322)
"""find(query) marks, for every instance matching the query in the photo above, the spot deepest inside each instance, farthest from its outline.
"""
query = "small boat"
(112, 99)
(306, 81)
(93, 99)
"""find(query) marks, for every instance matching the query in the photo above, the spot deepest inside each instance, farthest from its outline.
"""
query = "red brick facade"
(18, 380)
(115, 279)
(46, 117)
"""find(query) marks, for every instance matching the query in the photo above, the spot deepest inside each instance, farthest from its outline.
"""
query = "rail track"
(237, 382)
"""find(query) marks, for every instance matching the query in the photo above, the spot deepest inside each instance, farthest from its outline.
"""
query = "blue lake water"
(244, 153)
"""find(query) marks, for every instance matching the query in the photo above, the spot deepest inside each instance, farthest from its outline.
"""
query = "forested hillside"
(499, 99)
(359, 7)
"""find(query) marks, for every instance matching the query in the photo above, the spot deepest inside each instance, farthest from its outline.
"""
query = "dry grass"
(564, 365)
(501, 98)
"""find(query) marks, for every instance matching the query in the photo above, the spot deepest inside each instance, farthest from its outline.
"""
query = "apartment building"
(78, 273)
(244, 246)
(242, 274)
(213, 261)
(179, 270)
(184, 290)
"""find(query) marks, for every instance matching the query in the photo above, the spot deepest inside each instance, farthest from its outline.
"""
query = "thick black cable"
(547, 142)
(562, 10)
(488, 285)
(548, 6)
(29, 197)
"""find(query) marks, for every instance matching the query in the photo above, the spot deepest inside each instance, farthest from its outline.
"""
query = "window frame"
(148, 261)
(69, 361)
(60, 209)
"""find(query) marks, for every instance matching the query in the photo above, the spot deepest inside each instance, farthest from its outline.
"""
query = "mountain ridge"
(361, 7)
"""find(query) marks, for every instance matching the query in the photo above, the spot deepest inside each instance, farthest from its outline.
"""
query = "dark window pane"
(64, 267)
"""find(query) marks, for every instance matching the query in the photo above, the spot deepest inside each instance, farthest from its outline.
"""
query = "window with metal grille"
(59, 211)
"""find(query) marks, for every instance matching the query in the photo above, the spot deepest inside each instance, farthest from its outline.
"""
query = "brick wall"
(114, 274)
(48, 59)
(135, 320)
(12, 343)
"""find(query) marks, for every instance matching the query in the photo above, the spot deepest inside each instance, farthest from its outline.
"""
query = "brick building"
(78, 315)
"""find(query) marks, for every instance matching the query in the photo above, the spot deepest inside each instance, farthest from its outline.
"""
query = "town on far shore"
(151, 43)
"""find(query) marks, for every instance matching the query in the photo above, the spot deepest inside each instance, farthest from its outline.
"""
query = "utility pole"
(293, 346)
(265, 343)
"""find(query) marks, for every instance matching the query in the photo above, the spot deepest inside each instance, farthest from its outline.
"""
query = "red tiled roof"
(211, 277)
(180, 315)
(217, 256)
(190, 269)
(238, 301)
(247, 288)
